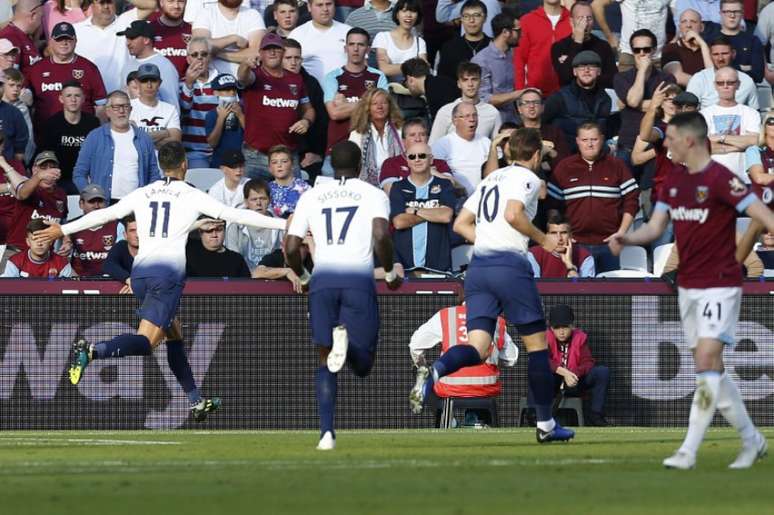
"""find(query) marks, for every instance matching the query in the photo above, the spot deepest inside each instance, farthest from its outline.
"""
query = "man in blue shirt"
(421, 209)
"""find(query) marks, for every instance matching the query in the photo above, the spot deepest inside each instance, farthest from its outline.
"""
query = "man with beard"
(171, 33)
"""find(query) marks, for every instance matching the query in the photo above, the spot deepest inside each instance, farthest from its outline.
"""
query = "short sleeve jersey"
(48, 205)
(171, 42)
(340, 214)
(91, 247)
(495, 237)
(702, 207)
(46, 79)
(352, 86)
(28, 52)
(273, 102)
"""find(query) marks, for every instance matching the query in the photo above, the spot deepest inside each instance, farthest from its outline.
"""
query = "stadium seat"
(567, 403)
(73, 207)
(741, 224)
(625, 274)
(634, 258)
(448, 404)
(203, 178)
(764, 97)
(768, 273)
(660, 256)
(460, 257)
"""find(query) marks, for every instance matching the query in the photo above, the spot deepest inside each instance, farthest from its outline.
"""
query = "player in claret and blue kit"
(165, 211)
(348, 219)
(702, 199)
(497, 218)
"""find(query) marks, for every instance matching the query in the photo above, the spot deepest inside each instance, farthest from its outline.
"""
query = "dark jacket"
(571, 106)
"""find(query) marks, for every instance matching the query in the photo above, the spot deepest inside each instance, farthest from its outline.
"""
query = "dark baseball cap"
(686, 98)
(92, 191)
(232, 158)
(224, 81)
(45, 156)
(138, 28)
(587, 57)
(561, 315)
(63, 30)
(272, 39)
(148, 71)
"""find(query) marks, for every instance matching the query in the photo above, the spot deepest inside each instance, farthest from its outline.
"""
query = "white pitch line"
(33, 441)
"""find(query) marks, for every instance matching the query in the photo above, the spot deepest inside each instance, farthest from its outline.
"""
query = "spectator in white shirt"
(732, 126)
(234, 31)
(702, 84)
(469, 82)
(139, 43)
(229, 190)
(463, 150)
(159, 119)
(322, 39)
(402, 43)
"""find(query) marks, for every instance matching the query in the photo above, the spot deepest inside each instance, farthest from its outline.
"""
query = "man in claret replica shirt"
(38, 260)
(702, 199)
(91, 246)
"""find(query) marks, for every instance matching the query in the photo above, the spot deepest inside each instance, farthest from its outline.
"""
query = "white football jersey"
(494, 235)
(340, 214)
(165, 210)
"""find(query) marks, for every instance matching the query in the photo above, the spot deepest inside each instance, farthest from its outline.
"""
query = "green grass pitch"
(461, 471)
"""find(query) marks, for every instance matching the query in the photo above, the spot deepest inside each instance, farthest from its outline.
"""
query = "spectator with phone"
(225, 125)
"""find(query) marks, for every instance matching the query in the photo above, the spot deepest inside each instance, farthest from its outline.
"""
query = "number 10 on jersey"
(489, 198)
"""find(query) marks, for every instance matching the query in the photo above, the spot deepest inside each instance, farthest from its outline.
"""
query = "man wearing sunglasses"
(702, 84)
(635, 88)
(197, 98)
(421, 209)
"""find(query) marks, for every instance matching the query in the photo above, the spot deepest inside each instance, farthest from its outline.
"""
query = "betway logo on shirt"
(682, 214)
(48, 86)
(280, 102)
(92, 256)
(173, 52)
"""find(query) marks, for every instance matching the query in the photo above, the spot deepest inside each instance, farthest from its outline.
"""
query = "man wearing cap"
(14, 127)
(172, 32)
(233, 30)
(563, 52)
(91, 246)
(98, 41)
(228, 190)
(159, 119)
(279, 107)
(117, 156)
(139, 43)
(37, 196)
(575, 370)
(225, 125)
(48, 75)
(20, 31)
(9, 53)
(582, 100)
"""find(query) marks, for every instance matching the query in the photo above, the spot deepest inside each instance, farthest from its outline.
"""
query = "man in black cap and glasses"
(575, 370)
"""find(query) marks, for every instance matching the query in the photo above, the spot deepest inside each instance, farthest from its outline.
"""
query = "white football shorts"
(710, 313)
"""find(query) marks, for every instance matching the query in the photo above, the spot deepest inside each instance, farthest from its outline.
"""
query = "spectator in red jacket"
(598, 193)
(540, 29)
(575, 370)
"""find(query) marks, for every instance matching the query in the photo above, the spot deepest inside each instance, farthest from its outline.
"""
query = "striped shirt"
(194, 105)
(371, 20)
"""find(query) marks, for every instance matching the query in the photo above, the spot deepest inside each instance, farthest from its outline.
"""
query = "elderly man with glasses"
(197, 98)
(117, 156)
(702, 84)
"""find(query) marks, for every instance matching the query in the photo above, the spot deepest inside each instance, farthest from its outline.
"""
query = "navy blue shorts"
(356, 309)
(159, 298)
(508, 290)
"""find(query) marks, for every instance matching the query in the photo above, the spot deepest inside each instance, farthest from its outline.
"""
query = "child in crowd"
(286, 189)
(253, 243)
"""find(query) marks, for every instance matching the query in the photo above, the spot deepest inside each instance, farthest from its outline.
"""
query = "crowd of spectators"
(259, 91)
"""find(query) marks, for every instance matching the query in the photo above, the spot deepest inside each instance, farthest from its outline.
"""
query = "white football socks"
(732, 407)
(705, 400)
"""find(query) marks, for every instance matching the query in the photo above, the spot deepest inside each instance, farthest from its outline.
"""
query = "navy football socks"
(457, 357)
(541, 381)
(325, 387)
(178, 364)
(121, 346)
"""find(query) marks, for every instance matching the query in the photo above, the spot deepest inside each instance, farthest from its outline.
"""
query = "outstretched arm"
(645, 234)
(93, 219)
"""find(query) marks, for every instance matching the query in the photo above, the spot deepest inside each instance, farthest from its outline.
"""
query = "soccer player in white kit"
(165, 211)
(348, 219)
(702, 199)
(497, 218)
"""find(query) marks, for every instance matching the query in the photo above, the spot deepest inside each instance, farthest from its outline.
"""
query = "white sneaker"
(327, 442)
(751, 453)
(417, 395)
(338, 354)
(680, 460)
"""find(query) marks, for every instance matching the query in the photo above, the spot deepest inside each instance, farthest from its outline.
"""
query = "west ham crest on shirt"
(702, 193)
(107, 240)
(77, 74)
(187, 38)
(59, 205)
(369, 84)
(293, 89)
(737, 187)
